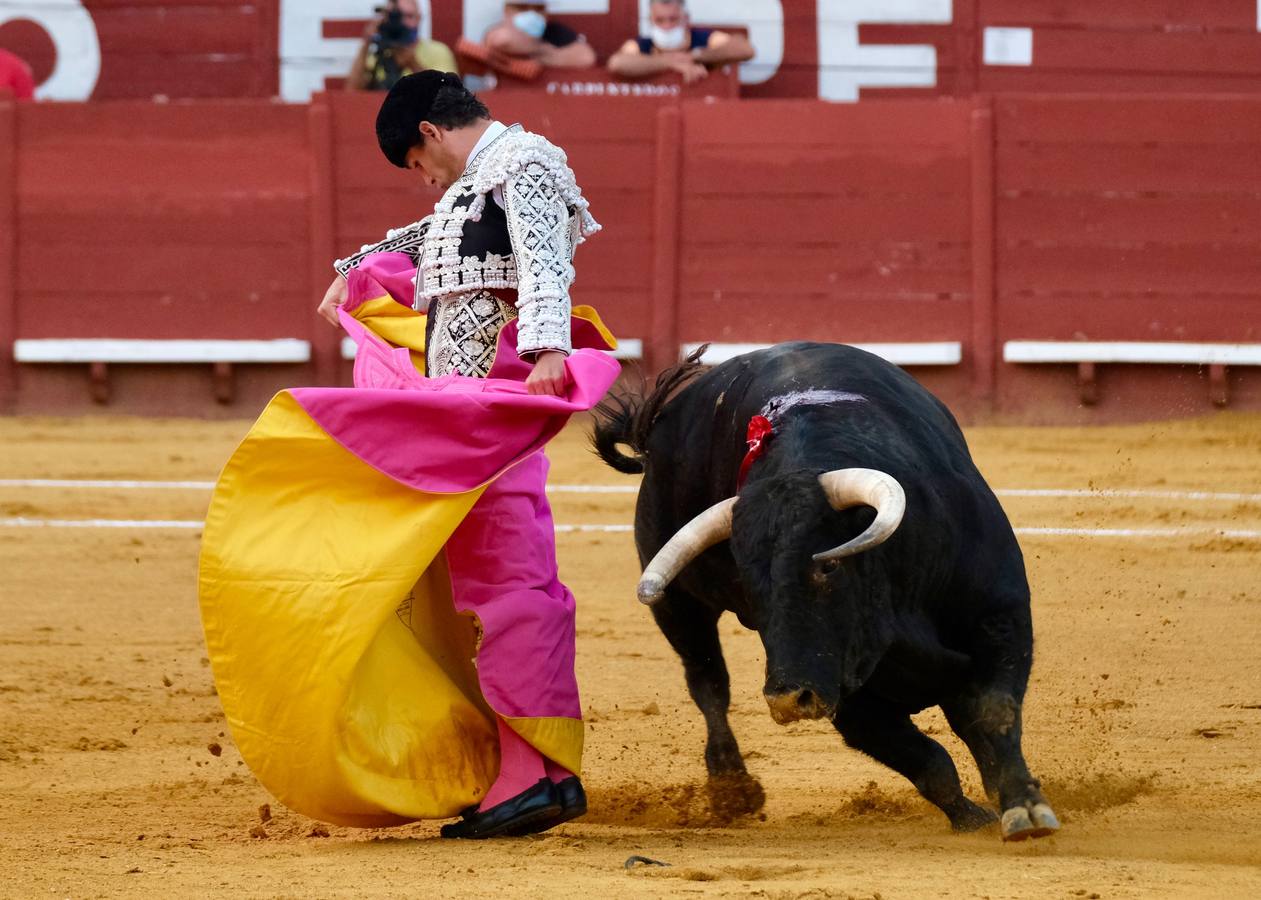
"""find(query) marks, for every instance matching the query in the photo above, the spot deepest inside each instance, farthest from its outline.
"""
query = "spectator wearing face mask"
(673, 45)
(526, 33)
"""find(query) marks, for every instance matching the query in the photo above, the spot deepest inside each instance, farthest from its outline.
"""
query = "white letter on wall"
(78, 48)
(845, 65)
(763, 18)
(307, 57)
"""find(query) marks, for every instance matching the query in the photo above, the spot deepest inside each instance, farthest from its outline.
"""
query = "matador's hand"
(334, 297)
(548, 375)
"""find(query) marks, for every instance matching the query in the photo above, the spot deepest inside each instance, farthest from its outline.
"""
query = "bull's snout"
(791, 702)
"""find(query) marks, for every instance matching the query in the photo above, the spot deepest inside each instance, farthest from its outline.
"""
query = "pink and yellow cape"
(346, 675)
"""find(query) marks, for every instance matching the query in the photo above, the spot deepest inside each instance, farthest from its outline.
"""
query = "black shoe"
(510, 817)
(573, 803)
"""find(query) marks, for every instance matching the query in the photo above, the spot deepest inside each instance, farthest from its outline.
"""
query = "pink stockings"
(520, 768)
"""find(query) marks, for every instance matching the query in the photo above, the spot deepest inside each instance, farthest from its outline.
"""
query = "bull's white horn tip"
(651, 589)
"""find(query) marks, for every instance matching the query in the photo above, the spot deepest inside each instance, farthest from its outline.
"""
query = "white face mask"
(531, 21)
(669, 38)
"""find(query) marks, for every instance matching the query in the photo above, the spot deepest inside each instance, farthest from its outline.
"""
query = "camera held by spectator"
(392, 48)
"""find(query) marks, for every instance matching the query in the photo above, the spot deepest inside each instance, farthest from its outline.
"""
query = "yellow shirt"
(429, 55)
(436, 55)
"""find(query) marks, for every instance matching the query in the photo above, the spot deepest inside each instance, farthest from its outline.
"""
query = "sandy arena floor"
(117, 778)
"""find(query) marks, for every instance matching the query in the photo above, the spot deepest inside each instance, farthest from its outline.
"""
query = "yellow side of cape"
(344, 671)
(346, 676)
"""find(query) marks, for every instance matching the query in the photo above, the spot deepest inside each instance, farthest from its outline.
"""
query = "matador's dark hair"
(428, 96)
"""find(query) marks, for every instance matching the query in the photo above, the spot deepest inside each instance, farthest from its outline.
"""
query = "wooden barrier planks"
(1207, 15)
(1126, 45)
(1149, 205)
(1113, 218)
(153, 221)
(8, 247)
(823, 222)
(209, 49)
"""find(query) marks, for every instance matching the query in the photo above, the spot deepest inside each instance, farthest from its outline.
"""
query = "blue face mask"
(412, 35)
(531, 21)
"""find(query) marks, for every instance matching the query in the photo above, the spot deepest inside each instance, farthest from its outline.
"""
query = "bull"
(863, 546)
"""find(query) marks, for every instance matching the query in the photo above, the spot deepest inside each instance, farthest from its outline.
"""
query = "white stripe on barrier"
(1154, 352)
(627, 348)
(921, 353)
(107, 350)
(1208, 532)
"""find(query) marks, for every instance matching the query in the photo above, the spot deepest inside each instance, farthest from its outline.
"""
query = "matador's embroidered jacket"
(473, 246)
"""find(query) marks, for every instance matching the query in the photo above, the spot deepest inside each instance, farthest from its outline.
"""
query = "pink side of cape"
(448, 434)
(456, 433)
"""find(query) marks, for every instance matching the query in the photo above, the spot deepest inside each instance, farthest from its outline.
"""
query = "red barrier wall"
(136, 220)
(1128, 218)
(1128, 45)
(853, 227)
(1108, 218)
(143, 221)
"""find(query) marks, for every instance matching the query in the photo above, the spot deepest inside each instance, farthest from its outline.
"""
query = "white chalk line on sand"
(1123, 493)
(119, 484)
(122, 485)
(1242, 533)
(24, 522)
(1209, 532)
(1102, 493)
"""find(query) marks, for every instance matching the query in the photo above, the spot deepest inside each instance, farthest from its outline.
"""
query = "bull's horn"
(709, 528)
(864, 487)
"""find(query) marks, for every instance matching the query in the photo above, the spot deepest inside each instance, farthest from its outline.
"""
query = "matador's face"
(434, 158)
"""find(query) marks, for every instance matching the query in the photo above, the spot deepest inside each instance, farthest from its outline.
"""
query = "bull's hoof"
(735, 795)
(1033, 821)
(972, 818)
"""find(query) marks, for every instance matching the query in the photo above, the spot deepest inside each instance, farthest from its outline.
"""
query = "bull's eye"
(826, 567)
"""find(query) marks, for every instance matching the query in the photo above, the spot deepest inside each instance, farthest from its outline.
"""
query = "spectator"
(15, 75)
(673, 45)
(526, 33)
(392, 48)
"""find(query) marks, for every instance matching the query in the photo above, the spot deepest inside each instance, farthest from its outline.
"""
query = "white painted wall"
(73, 32)
(845, 65)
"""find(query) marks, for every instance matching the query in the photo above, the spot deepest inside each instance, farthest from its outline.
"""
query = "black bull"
(935, 615)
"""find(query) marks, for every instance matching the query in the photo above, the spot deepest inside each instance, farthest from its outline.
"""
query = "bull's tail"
(626, 418)
(613, 429)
